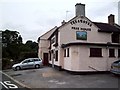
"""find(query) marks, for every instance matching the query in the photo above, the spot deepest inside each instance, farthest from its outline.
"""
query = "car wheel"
(17, 68)
(37, 66)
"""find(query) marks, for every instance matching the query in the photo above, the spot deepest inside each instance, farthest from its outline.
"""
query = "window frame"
(68, 52)
(94, 54)
(115, 38)
(111, 52)
(64, 52)
(56, 55)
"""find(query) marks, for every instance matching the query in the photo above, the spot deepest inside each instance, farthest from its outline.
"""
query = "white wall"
(43, 47)
(68, 35)
(80, 60)
(44, 43)
(68, 60)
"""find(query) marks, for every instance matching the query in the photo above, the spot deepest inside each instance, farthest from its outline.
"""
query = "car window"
(30, 60)
(25, 61)
(36, 59)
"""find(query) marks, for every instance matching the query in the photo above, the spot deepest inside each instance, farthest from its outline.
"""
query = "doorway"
(45, 59)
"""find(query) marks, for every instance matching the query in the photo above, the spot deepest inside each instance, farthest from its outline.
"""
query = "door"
(30, 63)
(24, 64)
(45, 59)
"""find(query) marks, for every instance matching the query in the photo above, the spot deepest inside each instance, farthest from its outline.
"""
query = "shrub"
(6, 63)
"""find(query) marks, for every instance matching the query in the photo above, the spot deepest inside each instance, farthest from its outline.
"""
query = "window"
(111, 52)
(53, 40)
(115, 38)
(56, 55)
(67, 52)
(30, 60)
(95, 52)
(118, 52)
(64, 52)
(26, 61)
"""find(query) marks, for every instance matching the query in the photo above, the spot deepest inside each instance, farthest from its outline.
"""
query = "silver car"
(28, 63)
(115, 67)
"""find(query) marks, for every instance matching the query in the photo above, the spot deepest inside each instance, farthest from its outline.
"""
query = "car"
(28, 63)
(115, 67)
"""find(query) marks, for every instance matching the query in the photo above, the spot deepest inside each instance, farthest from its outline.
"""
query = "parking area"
(48, 77)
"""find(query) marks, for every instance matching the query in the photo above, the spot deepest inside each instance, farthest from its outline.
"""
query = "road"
(48, 77)
(7, 82)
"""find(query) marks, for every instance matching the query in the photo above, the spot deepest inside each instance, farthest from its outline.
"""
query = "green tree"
(32, 45)
(14, 49)
(9, 37)
(19, 39)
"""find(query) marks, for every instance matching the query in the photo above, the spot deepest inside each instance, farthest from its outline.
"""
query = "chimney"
(80, 9)
(63, 22)
(111, 19)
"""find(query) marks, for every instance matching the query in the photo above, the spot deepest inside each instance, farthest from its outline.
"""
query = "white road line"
(25, 86)
(4, 85)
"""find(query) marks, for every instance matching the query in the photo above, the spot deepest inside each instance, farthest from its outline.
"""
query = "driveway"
(48, 77)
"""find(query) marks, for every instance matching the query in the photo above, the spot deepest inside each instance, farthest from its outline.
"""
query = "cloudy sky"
(32, 18)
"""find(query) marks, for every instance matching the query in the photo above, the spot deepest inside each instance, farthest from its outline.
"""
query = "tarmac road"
(48, 77)
(7, 82)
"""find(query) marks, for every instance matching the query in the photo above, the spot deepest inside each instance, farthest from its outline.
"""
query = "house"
(81, 45)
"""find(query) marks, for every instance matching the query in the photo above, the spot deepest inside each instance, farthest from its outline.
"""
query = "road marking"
(4, 85)
(25, 86)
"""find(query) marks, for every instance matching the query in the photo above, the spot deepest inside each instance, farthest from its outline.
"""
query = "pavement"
(48, 77)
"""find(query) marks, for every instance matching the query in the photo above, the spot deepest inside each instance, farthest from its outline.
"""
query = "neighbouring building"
(81, 45)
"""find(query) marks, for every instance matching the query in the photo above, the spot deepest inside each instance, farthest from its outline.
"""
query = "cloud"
(32, 18)
(101, 13)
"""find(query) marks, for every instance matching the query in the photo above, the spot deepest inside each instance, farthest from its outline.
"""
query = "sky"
(32, 18)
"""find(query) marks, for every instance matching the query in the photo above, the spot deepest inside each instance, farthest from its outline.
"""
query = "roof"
(64, 25)
(56, 30)
(105, 27)
(46, 35)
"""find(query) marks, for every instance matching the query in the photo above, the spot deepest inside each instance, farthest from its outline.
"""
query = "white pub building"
(81, 45)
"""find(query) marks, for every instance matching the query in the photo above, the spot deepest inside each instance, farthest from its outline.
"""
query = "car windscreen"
(117, 61)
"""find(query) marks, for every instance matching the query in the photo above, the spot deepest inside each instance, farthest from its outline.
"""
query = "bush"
(6, 63)
(25, 55)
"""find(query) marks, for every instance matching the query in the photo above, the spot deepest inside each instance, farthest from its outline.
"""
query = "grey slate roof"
(105, 27)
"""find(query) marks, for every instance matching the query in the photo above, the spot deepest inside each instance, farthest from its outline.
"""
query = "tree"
(14, 49)
(32, 45)
(9, 37)
(19, 39)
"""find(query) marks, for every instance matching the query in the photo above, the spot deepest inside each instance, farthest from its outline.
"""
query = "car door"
(24, 64)
(30, 63)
